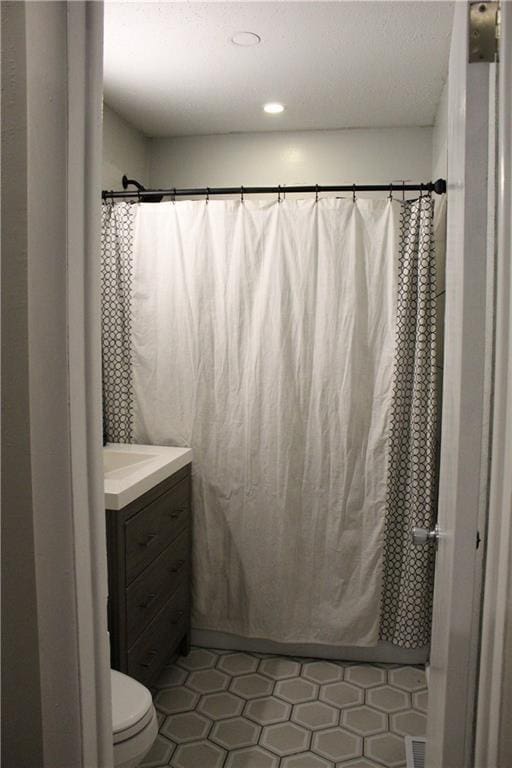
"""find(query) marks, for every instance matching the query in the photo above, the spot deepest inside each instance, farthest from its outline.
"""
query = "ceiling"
(172, 70)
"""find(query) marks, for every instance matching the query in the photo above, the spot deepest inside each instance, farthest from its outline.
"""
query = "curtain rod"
(156, 195)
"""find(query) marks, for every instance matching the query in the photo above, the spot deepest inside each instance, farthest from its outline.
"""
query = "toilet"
(134, 721)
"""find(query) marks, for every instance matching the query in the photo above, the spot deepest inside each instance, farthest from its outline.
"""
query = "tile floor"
(226, 709)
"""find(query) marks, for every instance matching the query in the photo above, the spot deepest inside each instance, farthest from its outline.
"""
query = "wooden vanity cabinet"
(148, 546)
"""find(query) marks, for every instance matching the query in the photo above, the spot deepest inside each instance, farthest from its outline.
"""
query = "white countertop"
(131, 470)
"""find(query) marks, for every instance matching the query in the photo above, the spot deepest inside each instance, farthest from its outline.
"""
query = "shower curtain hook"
(241, 194)
(284, 191)
(207, 195)
(353, 193)
(403, 191)
(316, 193)
(174, 195)
(390, 196)
(279, 193)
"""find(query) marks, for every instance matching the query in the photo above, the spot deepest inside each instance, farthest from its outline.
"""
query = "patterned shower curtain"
(293, 345)
(407, 590)
(116, 320)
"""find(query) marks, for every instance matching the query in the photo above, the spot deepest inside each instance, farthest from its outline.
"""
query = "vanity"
(148, 516)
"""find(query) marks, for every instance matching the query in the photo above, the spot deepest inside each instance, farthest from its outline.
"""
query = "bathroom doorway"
(186, 147)
(68, 556)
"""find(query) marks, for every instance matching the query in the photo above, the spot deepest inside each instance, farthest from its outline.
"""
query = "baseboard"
(383, 653)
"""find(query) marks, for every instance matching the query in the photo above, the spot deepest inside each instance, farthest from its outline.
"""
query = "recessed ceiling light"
(273, 108)
(246, 39)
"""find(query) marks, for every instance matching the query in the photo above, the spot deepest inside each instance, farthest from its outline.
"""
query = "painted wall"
(125, 150)
(22, 732)
(440, 137)
(440, 170)
(298, 157)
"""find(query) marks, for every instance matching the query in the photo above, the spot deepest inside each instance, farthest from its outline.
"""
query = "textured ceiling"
(171, 70)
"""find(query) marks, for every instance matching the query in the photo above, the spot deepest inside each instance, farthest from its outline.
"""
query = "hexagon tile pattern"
(233, 709)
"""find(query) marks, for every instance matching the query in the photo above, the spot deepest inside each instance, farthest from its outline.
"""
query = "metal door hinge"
(484, 31)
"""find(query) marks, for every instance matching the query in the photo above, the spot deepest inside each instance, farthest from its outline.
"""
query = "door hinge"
(484, 31)
(478, 539)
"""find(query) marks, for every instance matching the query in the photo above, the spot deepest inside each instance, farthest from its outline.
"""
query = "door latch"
(422, 536)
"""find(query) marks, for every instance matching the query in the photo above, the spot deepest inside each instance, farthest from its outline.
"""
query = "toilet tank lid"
(131, 701)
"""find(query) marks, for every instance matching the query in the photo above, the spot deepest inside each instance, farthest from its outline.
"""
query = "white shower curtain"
(263, 337)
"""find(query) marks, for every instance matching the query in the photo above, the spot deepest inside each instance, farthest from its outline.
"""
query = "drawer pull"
(176, 513)
(149, 600)
(148, 540)
(179, 565)
(151, 653)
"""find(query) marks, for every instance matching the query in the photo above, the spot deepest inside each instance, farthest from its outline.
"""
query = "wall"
(309, 157)
(22, 737)
(299, 157)
(440, 171)
(125, 150)
(440, 137)
(505, 238)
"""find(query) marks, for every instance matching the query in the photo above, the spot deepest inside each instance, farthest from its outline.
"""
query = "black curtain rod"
(156, 195)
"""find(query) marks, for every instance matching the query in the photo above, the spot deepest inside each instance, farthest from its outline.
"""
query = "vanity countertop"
(131, 470)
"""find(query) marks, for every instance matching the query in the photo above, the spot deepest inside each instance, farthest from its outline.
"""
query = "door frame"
(51, 208)
(467, 396)
(464, 431)
(83, 154)
(494, 707)
(84, 173)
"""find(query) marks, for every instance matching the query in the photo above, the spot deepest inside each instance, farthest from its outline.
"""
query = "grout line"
(308, 731)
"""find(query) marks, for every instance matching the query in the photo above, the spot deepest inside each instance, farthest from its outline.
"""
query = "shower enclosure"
(291, 344)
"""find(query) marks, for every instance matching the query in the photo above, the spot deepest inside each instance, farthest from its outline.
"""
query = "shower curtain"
(268, 336)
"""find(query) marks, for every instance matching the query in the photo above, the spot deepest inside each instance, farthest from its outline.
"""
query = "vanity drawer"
(149, 653)
(146, 595)
(149, 531)
(149, 577)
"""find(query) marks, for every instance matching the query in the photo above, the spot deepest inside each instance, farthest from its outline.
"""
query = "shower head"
(143, 199)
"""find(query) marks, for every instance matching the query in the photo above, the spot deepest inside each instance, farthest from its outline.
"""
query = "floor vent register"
(415, 751)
